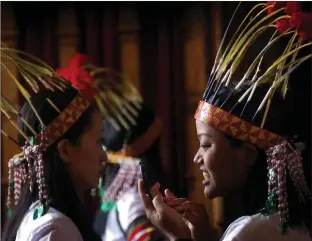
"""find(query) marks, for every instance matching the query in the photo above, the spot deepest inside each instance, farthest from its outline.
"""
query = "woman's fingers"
(182, 208)
(187, 207)
(174, 202)
(171, 199)
(158, 203)
(147, 203)
(155, 189)
(169, 194)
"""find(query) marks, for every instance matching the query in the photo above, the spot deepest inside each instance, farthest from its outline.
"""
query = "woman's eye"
(204, 147)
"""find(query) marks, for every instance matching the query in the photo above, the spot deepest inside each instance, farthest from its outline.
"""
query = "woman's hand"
(165, 218)
(195, 216)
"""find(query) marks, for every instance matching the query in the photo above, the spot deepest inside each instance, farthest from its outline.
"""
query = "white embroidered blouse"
(262, 228)
(130, 207)
(53, 226)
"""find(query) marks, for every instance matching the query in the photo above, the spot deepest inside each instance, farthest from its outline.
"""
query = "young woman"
(122, 216)
(250, 143)
(60, 131)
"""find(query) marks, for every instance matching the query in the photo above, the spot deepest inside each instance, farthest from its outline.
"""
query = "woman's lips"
(206, 175)
(206, 180)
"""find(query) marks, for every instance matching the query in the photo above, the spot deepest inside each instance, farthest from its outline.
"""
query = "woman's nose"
(197, 158)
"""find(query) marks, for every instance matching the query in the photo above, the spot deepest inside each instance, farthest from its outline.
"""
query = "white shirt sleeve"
(53, 226)
(261, 228)
(60, 230)
(130, 207)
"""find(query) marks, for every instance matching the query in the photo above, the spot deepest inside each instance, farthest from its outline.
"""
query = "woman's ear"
(64, 150)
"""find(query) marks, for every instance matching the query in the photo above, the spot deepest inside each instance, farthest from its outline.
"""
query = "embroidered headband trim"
(235, 127)
(66, 119)
(62, 123)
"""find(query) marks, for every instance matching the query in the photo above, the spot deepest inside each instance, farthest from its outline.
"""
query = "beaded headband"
(233, 126)
(65, 120)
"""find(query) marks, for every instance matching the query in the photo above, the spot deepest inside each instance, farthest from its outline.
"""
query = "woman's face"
(224, 166)
(85, 160)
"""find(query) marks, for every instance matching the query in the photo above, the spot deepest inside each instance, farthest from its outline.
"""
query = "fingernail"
(155, 189)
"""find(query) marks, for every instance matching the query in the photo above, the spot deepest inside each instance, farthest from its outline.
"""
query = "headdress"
(136, 140)
(123, 177)
(287, 20)
(126, 148)
(99, 84)
(89, 78)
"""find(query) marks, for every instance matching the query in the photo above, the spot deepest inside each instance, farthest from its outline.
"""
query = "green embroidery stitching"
(32, 140)
(9, 213)
(106, 206)
(40, 211)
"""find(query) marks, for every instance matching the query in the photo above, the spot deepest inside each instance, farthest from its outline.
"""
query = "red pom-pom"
(275, 6)
(302, 22)
(283, 25)
(76, 75)
(292, 8)
(78, 60)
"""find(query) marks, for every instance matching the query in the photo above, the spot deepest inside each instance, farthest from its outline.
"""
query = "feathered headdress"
(287, 19)
(91, 80)
(110, 91)
(124, 149)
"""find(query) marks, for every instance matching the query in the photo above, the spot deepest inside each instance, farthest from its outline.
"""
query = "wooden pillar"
(213, 41)
(128, 31)
(67, 33)
(8, 89)
(195, 80)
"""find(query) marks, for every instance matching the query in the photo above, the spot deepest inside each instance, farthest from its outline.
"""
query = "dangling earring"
(277, 195)
(10, 188)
